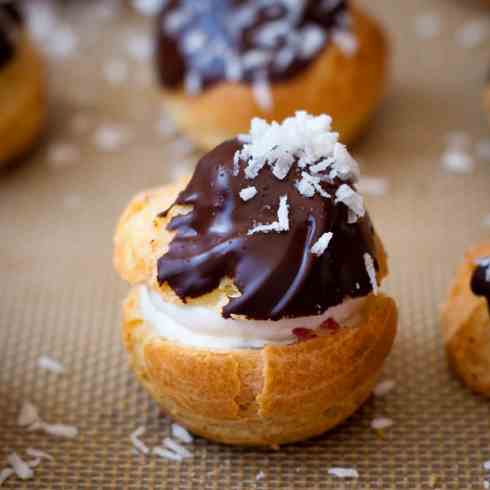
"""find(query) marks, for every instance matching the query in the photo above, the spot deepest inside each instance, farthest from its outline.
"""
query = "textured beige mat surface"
(60, 296)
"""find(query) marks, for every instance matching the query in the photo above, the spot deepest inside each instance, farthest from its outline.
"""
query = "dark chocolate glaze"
(480, 283)
(219, 21)
(10, 19)
(276, 273)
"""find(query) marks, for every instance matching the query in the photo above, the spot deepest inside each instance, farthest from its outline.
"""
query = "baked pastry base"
(265, 397)
(465, 324)
(348, 88)
(22, 102)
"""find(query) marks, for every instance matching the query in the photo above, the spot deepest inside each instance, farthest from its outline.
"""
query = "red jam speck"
(304, 333)
(330, 324)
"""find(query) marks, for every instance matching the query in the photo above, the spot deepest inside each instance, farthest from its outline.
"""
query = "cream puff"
(221, 63)
(466, 321)
(254, 316)
(22, 94)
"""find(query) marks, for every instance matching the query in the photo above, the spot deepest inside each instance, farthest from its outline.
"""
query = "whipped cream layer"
(198, 326)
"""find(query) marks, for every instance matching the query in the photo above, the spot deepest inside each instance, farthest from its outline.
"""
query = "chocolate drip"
(276, 273)
(480, 281)
(10, 19)
(224, 33)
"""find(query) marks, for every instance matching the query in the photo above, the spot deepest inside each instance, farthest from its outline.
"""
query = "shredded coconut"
(346, 195)
(486, 484)
(458, 161)
(486, 465)
(262, 92)
(5, 474)
(473, 34)
(63, 154)
(344, 472)
(50, 364)
(28, 415)
(373, 186)
(380, 423)
(148, 7)
(260, 476)
(176, 448)
(346, 42)
(371, 272)
(115, 72)
(282, 223)
(248, 193)
(383, 388)
(427, 26)
(167, 454)
(21, 468)
(483, 149)
(137, 442)
(110, 138)
(139, 46)
(182, 434)
(37, 453)
(321, 244)
(59, 430)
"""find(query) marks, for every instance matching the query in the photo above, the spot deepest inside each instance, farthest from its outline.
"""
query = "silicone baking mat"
(108, 139)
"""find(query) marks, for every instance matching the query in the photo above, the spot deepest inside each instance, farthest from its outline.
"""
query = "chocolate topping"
(210, 41)
(276, 272)
(10, 20)
(480, 281)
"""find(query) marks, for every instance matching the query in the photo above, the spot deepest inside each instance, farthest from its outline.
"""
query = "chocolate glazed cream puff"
(255, 316)
(223, 62)
(466, 320)
(22, 94)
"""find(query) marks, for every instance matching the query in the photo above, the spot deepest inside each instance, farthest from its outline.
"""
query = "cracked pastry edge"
(263, 397)
(465, 326)
(141, 238)
(348, 88)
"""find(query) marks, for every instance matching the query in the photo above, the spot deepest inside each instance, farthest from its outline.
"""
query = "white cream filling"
(198, 326)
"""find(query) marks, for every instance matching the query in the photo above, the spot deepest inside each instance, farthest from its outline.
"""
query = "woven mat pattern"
(60, 296)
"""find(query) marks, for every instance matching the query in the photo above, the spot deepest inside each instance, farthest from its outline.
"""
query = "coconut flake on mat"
(110, 138)
(181, 433)
(486, 465)
(427, 26)
(139, 46)
(5, 474)
(373, 186)
(60, 430)
(486, 484)
(260, 476)
(115, 71)
(167, 454)
(137, 442)
(176, 447)
(321, 244)
(384, 387)
(457, 161)
(50, 364)
(28, 415)
(483, 149)
(37, 453)
(63, 154)
(20, 467)
(371, 272)
(380, 423)
(344, 472)
(248, 193)
(473, 33)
